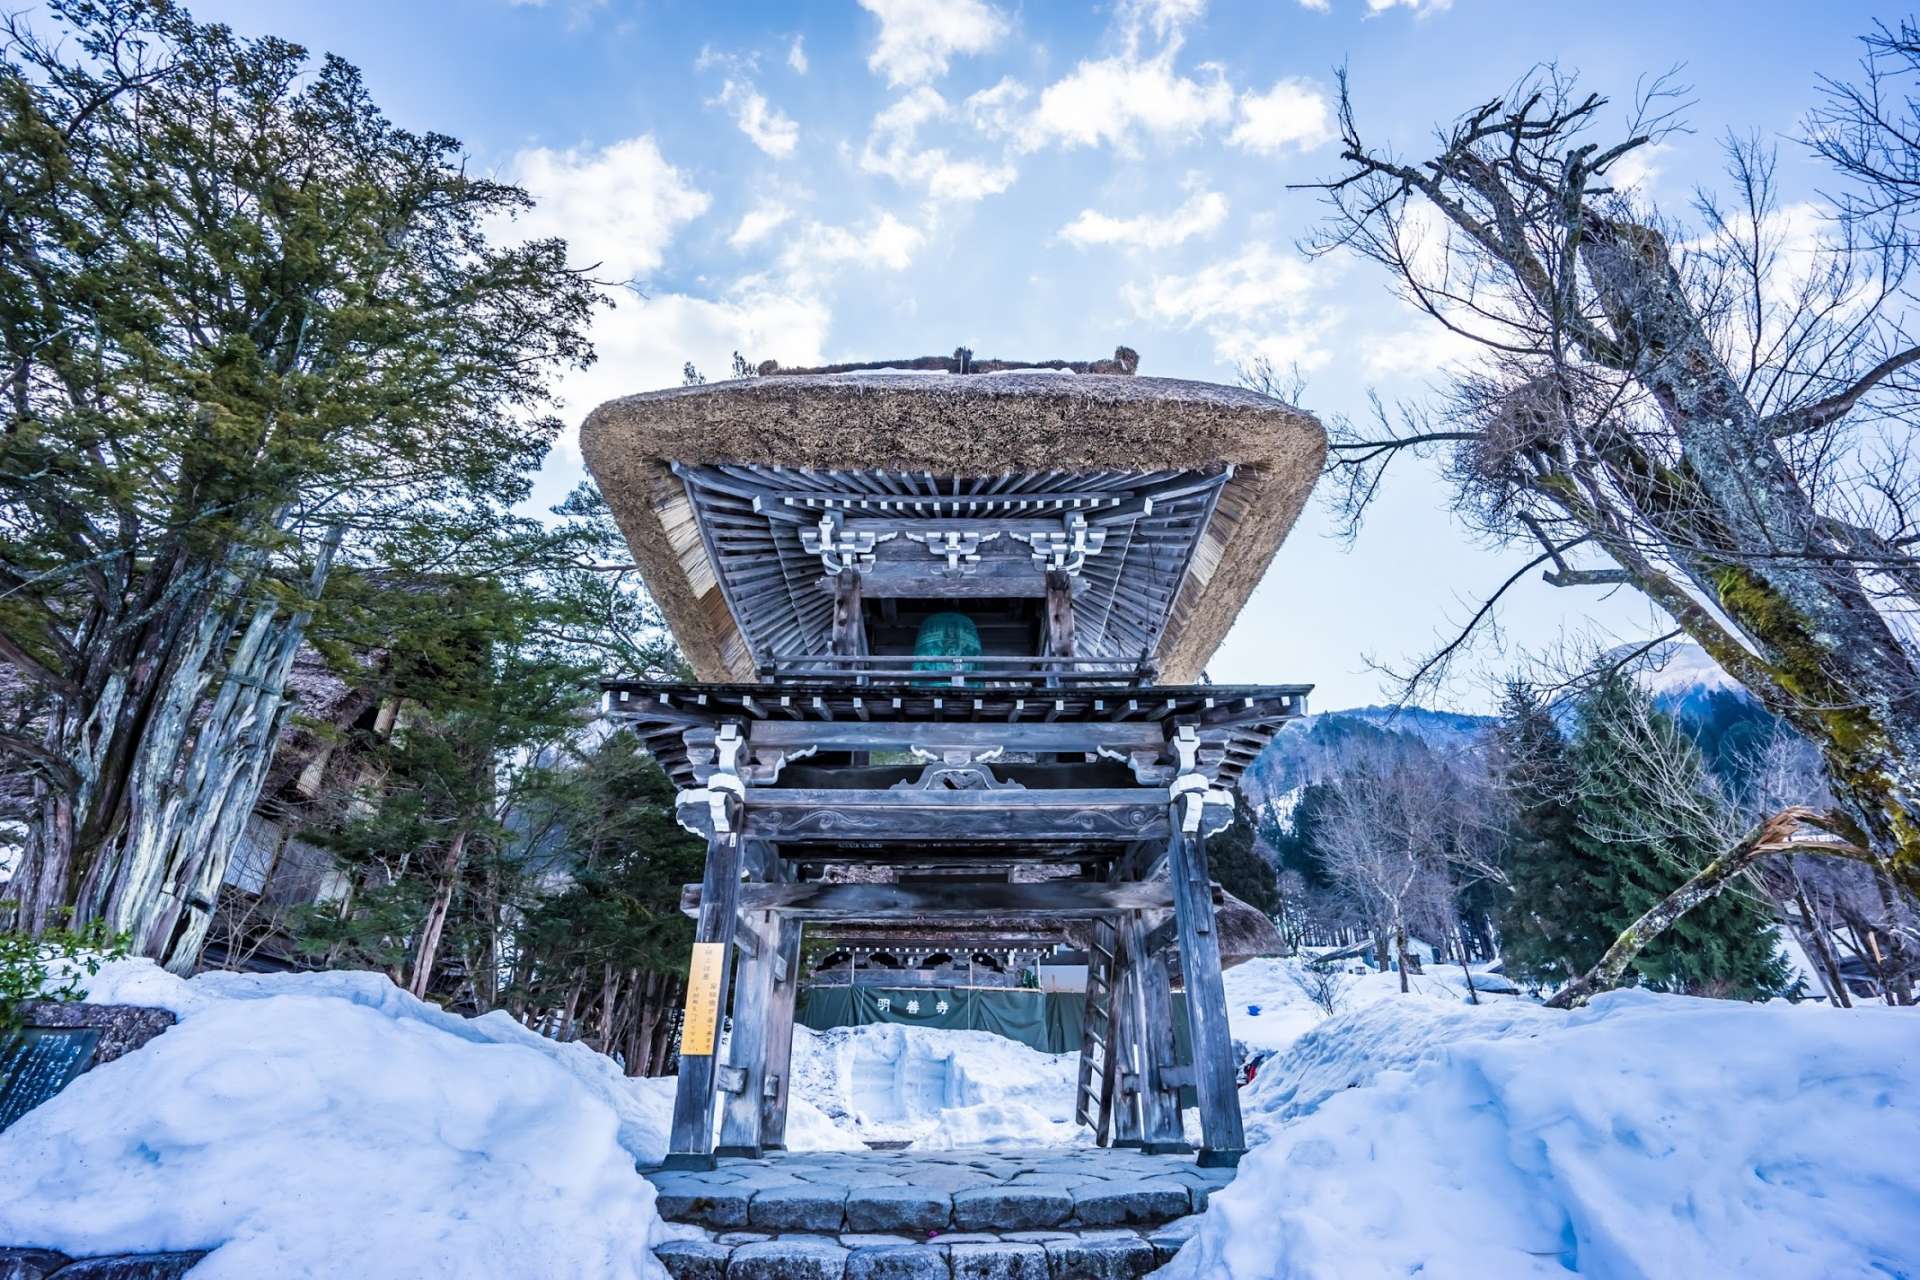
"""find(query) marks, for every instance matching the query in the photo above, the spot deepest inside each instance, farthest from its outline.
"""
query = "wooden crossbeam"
(1048, 899)
(933, 735)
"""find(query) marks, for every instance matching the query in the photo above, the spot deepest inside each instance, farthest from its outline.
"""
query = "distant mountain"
(1684, 680)
(1727, 723)
(1313, 747)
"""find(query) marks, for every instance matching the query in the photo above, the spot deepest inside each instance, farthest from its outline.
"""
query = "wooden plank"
(1213, 1064)
(1060, 638)
(1047, 899)
(690, 1143)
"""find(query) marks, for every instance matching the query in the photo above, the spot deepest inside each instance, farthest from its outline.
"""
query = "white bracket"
(838, 549)
(1069, 548)
(725, 781)
(961, 550)
(1190, 787)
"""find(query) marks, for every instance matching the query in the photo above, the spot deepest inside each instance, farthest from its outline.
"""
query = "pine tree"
(1235, 860)
(1550, 925)
(1642, 824)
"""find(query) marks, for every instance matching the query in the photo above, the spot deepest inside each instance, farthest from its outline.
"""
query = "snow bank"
(936, 1087)
(330, 1124)
(1645, 1136)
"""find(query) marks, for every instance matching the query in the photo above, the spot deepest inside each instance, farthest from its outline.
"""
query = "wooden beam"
(1213, 1063)
(941, 736)
(1046, 899)
(828, 816)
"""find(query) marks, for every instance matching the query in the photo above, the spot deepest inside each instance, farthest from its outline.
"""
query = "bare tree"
(1323, 984)
(1714, 413)
(1385, 845)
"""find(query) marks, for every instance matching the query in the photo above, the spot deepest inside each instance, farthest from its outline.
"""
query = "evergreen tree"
(1236, 861)
(1643, 822)
(1550, 924)
(264, 355)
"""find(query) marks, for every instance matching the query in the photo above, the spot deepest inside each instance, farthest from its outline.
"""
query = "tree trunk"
(1773, 836)
(1823, 949)
(446, 876)
(1400, 953)
(1473, 994)
(1829, 662)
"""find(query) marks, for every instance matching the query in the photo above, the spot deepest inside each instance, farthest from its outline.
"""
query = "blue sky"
(853, 180)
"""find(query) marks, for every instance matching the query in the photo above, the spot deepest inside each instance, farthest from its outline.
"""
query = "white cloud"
(771, 130)
(1199, 215)
(995, 111)
(1292, 113)
(918, 38)
(1318, 6)
(643, 342)
(1105, 101)
(1166, 17)
(759, 223)
(797, 55)
(815, 254)
(1260, 302)
(1420, 8)
(1637, 170)
(890, 150)
(619, 206)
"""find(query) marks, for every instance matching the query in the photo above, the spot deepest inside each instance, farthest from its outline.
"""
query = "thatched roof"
(974, 425)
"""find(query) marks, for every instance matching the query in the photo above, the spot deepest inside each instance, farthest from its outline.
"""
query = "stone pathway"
(1052, 1213)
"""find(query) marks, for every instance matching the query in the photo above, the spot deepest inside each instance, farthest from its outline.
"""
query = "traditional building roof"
(714, 484)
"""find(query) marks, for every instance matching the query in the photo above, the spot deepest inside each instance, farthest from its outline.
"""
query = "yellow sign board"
(702, 1022)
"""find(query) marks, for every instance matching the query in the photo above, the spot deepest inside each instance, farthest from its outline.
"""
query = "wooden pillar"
(1126, 1035)
(1160, 1094)
(849, 619)
(742, 1081)
(779, 1073)
(1060, 641)
(1222, 1138)
(690, 1144)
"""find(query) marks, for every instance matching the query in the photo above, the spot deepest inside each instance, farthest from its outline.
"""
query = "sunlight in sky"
(842, 181)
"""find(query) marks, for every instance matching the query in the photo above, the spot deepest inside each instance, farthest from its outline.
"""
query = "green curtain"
(1044, 1020)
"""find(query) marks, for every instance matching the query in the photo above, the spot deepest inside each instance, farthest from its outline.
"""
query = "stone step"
(1112, 1253)
(919, 1193)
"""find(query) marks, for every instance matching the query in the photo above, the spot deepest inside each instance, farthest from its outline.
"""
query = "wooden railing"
(978, 671)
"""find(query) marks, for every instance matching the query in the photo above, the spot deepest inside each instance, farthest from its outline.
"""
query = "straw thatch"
(954, 425)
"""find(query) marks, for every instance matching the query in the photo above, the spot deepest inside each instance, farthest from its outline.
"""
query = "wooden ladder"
(1093, 1104)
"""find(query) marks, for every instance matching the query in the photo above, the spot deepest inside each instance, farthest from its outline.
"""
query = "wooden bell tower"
(949, 629)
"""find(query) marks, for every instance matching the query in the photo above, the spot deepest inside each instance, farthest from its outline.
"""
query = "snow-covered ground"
(329, 1124)
(935, 1088)
(1645, 1136)
(332, 1125)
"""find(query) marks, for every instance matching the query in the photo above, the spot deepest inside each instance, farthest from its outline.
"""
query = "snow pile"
(330, 1124)
(937, 1088)
(1647, 1135)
